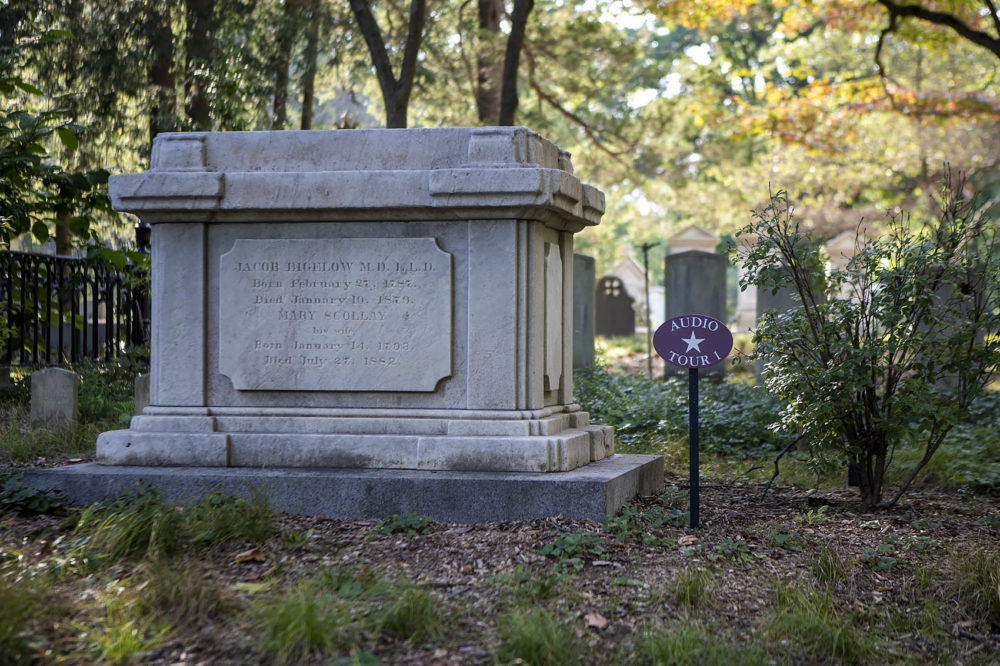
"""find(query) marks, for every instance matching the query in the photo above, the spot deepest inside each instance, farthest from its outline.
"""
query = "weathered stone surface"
(453, 348)
(335, 314)
(695, 283)
(141, 392)
(583, 311)
(54, 396)
(592, 492)
(455, 173)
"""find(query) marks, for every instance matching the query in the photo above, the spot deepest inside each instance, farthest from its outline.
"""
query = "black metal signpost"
(708, 342)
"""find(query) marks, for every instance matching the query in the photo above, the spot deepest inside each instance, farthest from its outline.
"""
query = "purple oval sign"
(693, 341)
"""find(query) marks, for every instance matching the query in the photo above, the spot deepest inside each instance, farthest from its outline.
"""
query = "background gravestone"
(141, 392)
(613, 308)
(583, 311)
(54, 397)
(695, 283)
(786, 298)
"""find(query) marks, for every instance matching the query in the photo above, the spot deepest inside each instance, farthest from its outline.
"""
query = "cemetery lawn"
(786, 577)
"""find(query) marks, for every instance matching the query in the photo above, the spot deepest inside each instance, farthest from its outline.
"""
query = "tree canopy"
(680, 111)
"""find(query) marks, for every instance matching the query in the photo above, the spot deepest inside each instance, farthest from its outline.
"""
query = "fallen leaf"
(596, 620)
(252, 588)
(252, 555)
(687, 540)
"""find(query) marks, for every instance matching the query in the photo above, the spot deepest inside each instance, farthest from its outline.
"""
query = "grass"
(181, 592)
(686, 645)
(812, 621)
(537, 637)
(692, 585)
(133, 526)
(302, 625)
(24, 603)
(829, 569)
(125, 636)
(411, 615)
(144, 525)
(975, 579)
(18, 445)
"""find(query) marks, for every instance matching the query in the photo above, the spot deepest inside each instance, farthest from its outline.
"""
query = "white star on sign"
(693, 343)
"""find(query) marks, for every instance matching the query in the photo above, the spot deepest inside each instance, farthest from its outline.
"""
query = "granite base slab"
(592, 492)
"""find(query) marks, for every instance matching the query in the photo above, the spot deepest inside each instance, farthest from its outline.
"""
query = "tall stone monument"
(390, 310)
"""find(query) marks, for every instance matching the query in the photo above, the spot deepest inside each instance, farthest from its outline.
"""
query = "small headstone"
(613, 307)
(583, 311)
(54, 396)
(141, 393)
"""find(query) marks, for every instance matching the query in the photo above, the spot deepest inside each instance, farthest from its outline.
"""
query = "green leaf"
(79, 225)
(67, 137)
(115, 257)
(27, 87)
(40, 231)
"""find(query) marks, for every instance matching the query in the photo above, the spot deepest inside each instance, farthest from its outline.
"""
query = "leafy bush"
(891, 349)
(734, 418)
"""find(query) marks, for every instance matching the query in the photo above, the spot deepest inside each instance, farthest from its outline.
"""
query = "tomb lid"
(436, 173)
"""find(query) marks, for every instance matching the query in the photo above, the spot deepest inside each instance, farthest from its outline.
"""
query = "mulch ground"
(749, 544)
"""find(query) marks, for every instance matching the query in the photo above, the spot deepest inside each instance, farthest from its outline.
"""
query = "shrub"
(891, 349)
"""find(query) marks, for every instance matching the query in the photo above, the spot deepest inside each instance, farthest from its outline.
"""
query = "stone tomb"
(365, 299)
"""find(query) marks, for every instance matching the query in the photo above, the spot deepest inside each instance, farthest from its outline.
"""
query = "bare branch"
(964, 30)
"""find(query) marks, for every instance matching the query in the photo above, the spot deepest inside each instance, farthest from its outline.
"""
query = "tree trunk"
(488, 62)
(198, 46)
(395, 92)
(311, 54)
(508, 96)
(74, 13)
(161, 74)
(282, 60)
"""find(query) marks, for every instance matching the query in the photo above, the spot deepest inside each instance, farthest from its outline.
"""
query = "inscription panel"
(343, 314)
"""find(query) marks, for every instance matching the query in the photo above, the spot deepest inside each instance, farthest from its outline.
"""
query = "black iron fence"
(62, 310)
